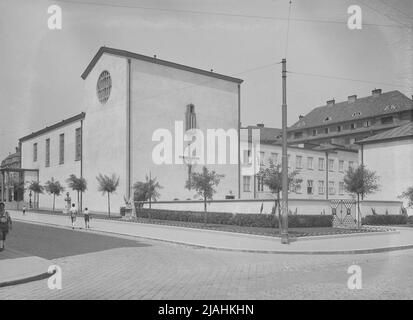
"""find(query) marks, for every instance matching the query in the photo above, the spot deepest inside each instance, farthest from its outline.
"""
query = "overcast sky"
(40, 69)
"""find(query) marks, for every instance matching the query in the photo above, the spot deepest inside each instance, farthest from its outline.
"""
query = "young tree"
(148, 190)
(408, 194)
(37, 189)
(107, 185)
(55, 188)
(272, 178)
(204, 184)
(79, 185)
(360, 182)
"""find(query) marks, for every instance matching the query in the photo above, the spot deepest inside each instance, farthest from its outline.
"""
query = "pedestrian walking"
(24, 210)
(86, 214)
(73, 215)
(5, 225)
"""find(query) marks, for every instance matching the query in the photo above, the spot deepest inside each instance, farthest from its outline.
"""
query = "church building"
(133, 105)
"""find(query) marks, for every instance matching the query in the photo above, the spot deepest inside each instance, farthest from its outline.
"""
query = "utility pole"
(284, 202)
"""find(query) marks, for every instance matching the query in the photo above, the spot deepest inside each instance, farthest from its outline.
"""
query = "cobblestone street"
(156, 270)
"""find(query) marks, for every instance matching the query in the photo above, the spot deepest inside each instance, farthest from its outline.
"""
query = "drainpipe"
(254, 148)
(128, 132)
(81, 162)
(327, 184)
(239, 141)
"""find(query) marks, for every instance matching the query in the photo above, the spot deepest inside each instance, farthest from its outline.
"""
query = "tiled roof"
(386, 103)
(268, 135)
(393, 134)
(132, 55)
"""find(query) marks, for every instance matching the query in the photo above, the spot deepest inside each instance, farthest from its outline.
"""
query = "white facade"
(54, 168)
(144, 96)
(392, 161)
(322, 173)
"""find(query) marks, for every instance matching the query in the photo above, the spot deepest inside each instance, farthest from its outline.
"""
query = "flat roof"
(132, 55)
(62, 123)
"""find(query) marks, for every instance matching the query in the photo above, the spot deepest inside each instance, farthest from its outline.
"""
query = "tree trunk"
(358, 211)
(78, 203)
(205, 210)
(109, 204)
(54, 197)
(279, 212)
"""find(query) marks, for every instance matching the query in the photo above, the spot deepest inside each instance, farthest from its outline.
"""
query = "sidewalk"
(17, 268)
(350, 244)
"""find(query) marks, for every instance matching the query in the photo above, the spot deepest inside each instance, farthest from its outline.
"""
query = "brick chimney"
(300, 117)
(376, 93)
(352, 99)
(331, 103)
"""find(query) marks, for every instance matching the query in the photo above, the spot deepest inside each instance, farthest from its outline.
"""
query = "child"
(86, 214)
(5, 225)
(73, 214)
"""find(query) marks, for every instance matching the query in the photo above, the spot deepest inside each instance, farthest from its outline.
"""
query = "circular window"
(104, 86)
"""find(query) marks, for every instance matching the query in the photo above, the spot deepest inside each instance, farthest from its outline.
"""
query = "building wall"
(305, 173)
(393, 163)
(159, 98)
(59, 172)
(104, 134)
(295, 206)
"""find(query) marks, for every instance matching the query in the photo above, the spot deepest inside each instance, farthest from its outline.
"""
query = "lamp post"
(284, 202)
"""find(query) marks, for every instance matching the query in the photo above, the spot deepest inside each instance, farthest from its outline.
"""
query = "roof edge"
(62, 123)
(389, 139)
(128, 54)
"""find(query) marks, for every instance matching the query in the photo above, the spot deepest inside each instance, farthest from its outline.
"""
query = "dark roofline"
(388, 139)
(291, 145)
(329, 124)
(128, 54)
(62, 123)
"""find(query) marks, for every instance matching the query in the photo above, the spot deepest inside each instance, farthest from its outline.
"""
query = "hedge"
(239, 219)
(385, 219)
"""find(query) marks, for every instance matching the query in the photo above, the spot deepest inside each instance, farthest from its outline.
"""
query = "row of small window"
(78, 149)
(310, 186)
(299, 161)
(353, 126)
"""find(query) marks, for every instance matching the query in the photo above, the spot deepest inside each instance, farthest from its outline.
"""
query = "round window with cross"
(103, 87)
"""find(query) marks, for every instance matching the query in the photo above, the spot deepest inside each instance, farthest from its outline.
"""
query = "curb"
(239, 234)
(38, 277)
(309, 252)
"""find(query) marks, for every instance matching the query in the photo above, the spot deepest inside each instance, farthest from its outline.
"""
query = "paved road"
(52, 243)
(101, 267)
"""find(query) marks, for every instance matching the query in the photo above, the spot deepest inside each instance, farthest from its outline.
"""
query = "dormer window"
(356, 114)
(390, 108)
(301, 124)
(327, 119)
(190, 117)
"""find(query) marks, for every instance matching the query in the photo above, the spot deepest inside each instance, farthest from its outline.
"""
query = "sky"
(40, 69)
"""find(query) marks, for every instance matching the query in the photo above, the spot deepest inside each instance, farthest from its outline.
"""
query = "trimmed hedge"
(239, 219)
(410, 220)
(384, 219)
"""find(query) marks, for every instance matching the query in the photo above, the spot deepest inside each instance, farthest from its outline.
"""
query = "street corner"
(18, 268)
